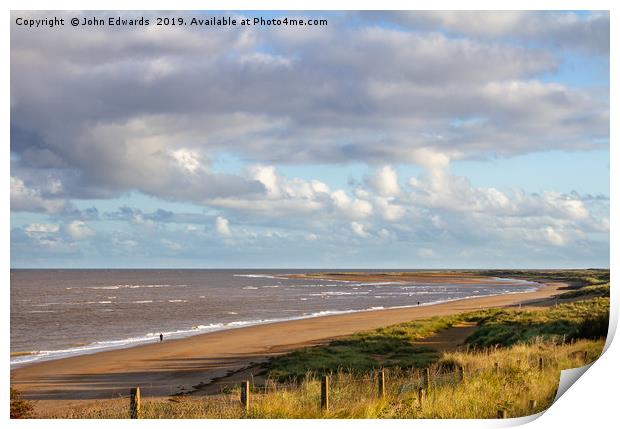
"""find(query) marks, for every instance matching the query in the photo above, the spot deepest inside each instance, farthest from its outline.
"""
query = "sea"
(61, 313)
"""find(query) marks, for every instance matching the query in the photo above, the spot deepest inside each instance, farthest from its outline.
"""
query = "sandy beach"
(174, 366)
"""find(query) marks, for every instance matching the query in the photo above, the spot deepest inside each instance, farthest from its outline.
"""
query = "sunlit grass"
(484, 390)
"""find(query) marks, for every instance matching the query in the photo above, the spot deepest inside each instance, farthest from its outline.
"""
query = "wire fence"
(336, 388)
(340, 390)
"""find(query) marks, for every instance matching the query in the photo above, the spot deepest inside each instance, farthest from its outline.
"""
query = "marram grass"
(516, 382)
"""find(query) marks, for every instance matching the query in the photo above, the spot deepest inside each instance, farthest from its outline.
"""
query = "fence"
(420, 382)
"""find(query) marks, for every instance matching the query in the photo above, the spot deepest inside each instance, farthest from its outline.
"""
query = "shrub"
(20, 409)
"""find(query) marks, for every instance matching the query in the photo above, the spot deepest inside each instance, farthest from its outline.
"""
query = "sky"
(413, 139)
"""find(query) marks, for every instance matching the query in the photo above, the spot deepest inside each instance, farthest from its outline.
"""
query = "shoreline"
(177, 365)
(99, 347)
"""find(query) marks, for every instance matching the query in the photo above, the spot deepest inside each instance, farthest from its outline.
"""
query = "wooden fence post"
(501, 414)
(421, 394)
(381, 384)
(462, 373)
(134, 403)
(245, 395)
(325, 393)
(427, 379)
(585, 356)
(496, 367)
(540, 364)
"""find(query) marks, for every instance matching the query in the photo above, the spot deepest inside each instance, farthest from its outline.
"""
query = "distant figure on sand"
(161, 337)
(418, 302)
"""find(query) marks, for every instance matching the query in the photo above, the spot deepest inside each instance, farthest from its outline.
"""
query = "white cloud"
(359, 230)
(35, 229)
(171, 245)
(352, 208)
(24, 198)
(384, 233)
(388, 209)
(385, 181)
(79, 230)
(45, 234)
(555, 237)
(188, 160)
(222, 226)
(426, 253)
(267, 176)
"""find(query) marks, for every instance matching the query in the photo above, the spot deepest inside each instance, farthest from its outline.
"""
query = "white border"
(591, 402)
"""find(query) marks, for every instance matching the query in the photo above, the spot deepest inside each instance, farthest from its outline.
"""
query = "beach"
(189, 364)
(63, 313)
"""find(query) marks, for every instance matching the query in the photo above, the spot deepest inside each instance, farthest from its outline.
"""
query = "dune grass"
(394, 346)
(582, 319)
(484, 390)
(576, 278)
(363, 352)
(588, 291)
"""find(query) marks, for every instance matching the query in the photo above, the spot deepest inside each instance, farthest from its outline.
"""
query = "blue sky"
(383, 140)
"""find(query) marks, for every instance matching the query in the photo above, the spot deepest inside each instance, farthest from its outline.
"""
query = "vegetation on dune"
(516, 382)
(363, 352)
(20, 409)
(394, 346)
(587, 291)
(576, 278)
(583, 319)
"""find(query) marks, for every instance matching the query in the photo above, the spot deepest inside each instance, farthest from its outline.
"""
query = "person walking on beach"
(161, 337)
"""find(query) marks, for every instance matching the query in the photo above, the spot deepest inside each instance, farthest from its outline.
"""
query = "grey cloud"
(109, 114)
(561, 29)
(129, 214)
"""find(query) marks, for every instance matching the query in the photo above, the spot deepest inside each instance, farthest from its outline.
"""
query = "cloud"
(138, 112)
(389, 210)
(44, 235)
(222, 226)
(556, 238)
(166, 107)
(426, 253)
(385, 181)
(353, 208)
(35, 229)
(79, 230)
(359, 229)
(28, 199)
(586, 34)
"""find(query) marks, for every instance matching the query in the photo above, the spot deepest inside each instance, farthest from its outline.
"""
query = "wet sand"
(174, 366)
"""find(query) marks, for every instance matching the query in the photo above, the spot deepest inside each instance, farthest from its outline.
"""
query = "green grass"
(394, 346)
(364, 352)
(577, 278)
(582, 319)
(480, 395)
(588, 291)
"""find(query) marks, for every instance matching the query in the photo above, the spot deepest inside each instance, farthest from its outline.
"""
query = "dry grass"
(480, 395)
